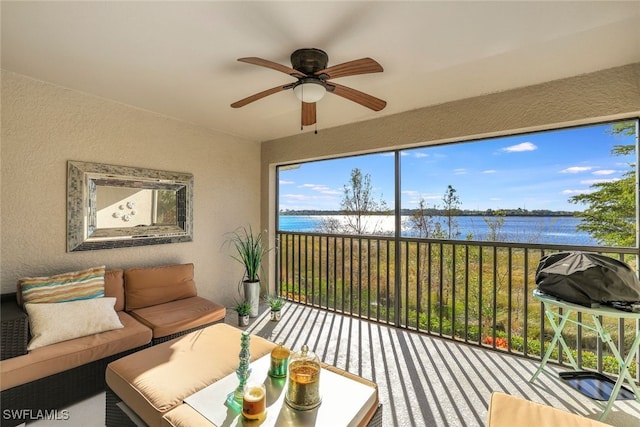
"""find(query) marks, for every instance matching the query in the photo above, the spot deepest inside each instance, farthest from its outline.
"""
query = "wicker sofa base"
(116, 414)
(65, 388)
(55, 391)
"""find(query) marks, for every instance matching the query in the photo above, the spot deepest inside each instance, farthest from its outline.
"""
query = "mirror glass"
(117, 206)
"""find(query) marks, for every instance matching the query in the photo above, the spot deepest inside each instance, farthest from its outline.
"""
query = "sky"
(540, 170)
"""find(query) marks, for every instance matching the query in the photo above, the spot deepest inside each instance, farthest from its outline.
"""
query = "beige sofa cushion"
(149, 286)
(157, 379)
(185, 416)
(508, 411)
(180, 315)
(62, 356)
(114, 287)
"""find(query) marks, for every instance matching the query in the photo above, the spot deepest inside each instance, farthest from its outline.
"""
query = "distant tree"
(423, 223)
(329, 225)
(451, 209)
(357, 206)
(495, 222)
(423, 220)
(610, 216)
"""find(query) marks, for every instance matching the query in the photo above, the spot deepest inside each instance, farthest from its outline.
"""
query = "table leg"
(623, 364)
(557, 337)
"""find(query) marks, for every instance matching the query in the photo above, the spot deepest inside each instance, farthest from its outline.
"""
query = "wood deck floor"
(424, 380)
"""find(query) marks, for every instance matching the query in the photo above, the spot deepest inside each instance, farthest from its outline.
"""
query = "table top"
(598, 311)
(345, 402)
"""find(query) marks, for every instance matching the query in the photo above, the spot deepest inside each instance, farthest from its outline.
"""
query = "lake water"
(546, 230)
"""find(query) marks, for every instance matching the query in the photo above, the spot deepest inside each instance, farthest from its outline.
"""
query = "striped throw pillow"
(73, 286)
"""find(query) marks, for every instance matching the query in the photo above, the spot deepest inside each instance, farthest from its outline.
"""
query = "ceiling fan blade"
(260, 95)
(352, 68)
(273, 65)
(376, 104)
(308, 113)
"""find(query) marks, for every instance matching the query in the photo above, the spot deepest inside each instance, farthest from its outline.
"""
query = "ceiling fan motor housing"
(309, 60)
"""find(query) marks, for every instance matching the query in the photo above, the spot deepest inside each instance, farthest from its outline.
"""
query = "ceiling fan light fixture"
(309, 91)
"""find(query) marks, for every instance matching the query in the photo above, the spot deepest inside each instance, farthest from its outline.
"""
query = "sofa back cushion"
(114, 287)
(149, 286)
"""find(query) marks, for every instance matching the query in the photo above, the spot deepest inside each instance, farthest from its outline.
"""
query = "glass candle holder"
(303, 391)
(254, 401)
(279, 361)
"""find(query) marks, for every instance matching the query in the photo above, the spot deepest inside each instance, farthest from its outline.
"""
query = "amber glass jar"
(279, 361)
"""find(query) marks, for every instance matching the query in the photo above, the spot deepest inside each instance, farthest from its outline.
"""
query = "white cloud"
(432, 196)
(523, 146)
(320, 188)
(419, 155)
(597, 181)
(490, 171)
(574, 192)
(576, 169)
(412, 197)
(460, 171)
(305, 198)
(604, 172)
(294, 196)
(285, 182)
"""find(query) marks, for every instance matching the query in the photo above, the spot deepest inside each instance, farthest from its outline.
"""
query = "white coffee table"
(345, 400)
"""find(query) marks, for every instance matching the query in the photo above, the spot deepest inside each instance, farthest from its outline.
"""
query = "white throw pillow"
(54, 322)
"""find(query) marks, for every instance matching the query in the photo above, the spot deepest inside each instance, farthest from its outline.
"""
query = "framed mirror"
(118, 206)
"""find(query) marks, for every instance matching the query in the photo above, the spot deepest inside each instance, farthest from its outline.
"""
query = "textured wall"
(589, 98)
(44, 125)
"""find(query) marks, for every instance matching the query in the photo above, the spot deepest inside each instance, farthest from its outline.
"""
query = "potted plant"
(243, 308)
(250, 250)
(276, 304)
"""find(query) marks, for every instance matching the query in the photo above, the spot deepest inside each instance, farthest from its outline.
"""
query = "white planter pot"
(243, 320)
(252, 296)
(275, 315)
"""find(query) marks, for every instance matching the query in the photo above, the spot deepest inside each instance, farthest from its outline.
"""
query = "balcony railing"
(476, 292)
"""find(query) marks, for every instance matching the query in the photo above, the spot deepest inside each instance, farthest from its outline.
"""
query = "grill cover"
(587, 278)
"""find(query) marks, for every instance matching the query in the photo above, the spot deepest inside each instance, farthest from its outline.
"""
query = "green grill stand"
(558, 312)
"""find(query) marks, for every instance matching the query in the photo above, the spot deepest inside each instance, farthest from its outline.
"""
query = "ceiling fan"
(309, 67)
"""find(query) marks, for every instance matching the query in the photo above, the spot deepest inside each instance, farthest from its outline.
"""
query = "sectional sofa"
(61, 358)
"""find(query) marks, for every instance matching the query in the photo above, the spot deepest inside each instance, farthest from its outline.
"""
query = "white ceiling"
(179, 58)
